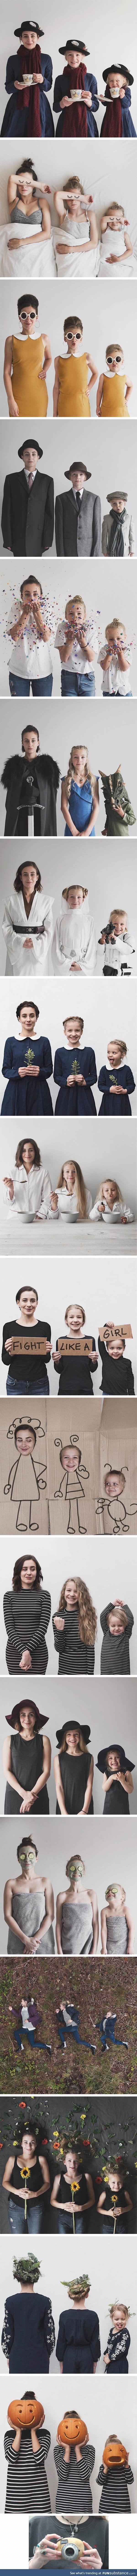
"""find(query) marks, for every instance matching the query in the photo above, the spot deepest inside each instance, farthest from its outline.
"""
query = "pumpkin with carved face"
(114, 2453)
(25, 2411)
(72, 2429)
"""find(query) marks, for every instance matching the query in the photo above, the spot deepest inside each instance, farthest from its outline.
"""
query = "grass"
(96, 1991)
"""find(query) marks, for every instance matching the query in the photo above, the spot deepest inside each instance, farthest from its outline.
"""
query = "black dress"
(75, 1374)
(117, 1375)
(26, 1616)
(115, 1650)
(28, 2334)
(27, 1762)
(115, 2486)
(74, 1656)
(23, 1096)
(76, 1103)
(116, 1801)
(78, 2343)
(118, 2347)
(74, 1775)
(110, 2207)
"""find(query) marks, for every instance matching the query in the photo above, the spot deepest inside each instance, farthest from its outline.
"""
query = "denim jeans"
(77, 684)
(21, 2226)
(74, 2034)
(65, 2224)
(31, 2035)
(21, 1385)
(21, 688)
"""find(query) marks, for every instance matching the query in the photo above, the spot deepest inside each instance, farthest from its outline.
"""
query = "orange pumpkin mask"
(72, 2429)
(25, 2410)
(114, 2451)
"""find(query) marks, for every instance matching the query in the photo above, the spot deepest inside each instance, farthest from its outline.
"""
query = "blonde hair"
(88, 772)
(74, 183)
(88, 1616)
(113, 1185)
(111, 627)
(110, 351)
(120, 2304)
(64, 1747)
(66, 890)
(77, 602)
(82, 1312)
(120, 1042)
(114, 916)
(81, 1194)
(124, 1614)
(69, 1016)
(114, 208)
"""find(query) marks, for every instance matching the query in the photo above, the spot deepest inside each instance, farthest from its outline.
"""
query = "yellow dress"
(73, 401)
(113, 399)
(29, 392)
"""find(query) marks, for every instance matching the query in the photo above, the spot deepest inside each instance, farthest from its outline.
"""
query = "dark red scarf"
(30, 62)
(79, 113)
(112, 121)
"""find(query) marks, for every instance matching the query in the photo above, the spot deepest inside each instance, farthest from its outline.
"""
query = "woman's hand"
(8, 1184)
(13, 409)
(25, 1661)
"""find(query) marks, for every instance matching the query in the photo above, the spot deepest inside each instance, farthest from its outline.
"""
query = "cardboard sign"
(76, 1348)
(125, 1329)
(22, 1345)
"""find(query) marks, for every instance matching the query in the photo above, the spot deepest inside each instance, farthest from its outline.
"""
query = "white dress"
(115, 241)
(68, 1206)
(74, 233)
(16, 928)
(31, 1193)
(74, 939)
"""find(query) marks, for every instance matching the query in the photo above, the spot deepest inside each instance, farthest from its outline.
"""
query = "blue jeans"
(21, 2226)
(74, 2034)
(77, 684)
(21, 1385)
(31, 2035)
(21, 688)
(65, 2224)
(112, 2041)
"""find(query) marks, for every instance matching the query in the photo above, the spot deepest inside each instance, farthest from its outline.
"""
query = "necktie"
(30, 482)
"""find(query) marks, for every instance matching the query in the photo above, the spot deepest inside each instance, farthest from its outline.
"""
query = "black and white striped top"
(27, 2485)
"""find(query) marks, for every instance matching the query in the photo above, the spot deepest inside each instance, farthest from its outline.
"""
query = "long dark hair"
(25, 1140)
(17, 1571)
(18, 878)
(15, 1718)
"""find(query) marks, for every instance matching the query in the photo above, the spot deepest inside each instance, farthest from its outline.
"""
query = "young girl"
(78, 230)
(76, 640)
(114, 388)
(118, 119)
(118, 2344)
(117, 1927)
(75, 92)
(72, 1199)
(80, 794)
(115, 1080)
(117, 1623)
(115, 660)
(76, 1364)
(117, 1780)
(74, 943)
(115, 245)
(119, 812)
(109, 1208)
(75, 1628)
(115, 940)
(71, 388)
(75, 1070)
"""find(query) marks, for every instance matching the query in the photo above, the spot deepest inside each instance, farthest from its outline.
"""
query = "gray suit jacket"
(77, 532)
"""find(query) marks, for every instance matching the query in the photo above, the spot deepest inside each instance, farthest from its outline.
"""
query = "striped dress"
(27, 2485)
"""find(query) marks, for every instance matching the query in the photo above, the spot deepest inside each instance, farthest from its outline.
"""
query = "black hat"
(73, 44)
(68, 1723)
(125, 1758)
(118, 67)
(77, 467)
(117, 496)
(31, 25)
(30, 442)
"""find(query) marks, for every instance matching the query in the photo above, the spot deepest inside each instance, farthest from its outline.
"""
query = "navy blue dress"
(15, 120)
(27, 1097)
(78, 2343)
(113, 1104)
(62, 90)
(75, 1103)
(126, 118)
(28, 2333)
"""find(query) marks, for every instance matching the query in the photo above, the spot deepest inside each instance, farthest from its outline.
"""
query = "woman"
(77, 224)
(27, 2181)
(119, 811)
(117, 1779)
(29, 1906)
(27, 1060)
(71, 2194)
(77, 1923)
(31, 779)
(73, 1770)
(116, 1080)
(28, 249)
(26, 361)
(73, 382)
(28, 2333)
(75, 1628)
(26, 1618)
(72, 1199)
(73, 2470)
(117, 1623)
(28, 1186)
(109, 1208)
(75, 1364)
(118, 119)
(74, 940)
(113, 2202)
(28, 923)
(26, 1762)
(118, 2345)
(80, 795)
(117, 1926)
(28, 110)
(74, 1070)
(78, 2345)
(26, 2451)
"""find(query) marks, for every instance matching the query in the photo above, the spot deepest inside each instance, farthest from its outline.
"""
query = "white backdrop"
(106, 591)
(95, 1150)
(99, 51)
(96, 2414)
(58, 1560)
(92, 1289)
(103, 1856)
(51, 319)
(106, 2283)
(106, 1709)
(114, 879)
(105, 1016)
(95, 177)
(58, 452)
(58, 732)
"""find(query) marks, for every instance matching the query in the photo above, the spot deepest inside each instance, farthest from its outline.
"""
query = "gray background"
(58, 452)
(106, 1857)
(108, 2281)
(51, 319)
(100, 1024)
(104, 881)
(111, 1715)
(58, 1560)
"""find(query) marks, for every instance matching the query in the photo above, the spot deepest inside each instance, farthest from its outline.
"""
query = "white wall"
(60, 1558)
(101, 1024)
(105, 1857)
(95, 1156)
(97, 2420)
(100, 47)
(93, 1295)
(109, 598)
(51, 318)
(105, 1713)
(111, 881)
(107, 2281)
(58, 731)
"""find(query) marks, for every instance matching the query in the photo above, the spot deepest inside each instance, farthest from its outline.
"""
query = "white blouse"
(111, 1216)
(74, 940)
(32, 1193)
(68, 1206)
(16, 929)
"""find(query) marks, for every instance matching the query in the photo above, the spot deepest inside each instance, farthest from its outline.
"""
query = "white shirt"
(78, 659)
(74, 938)
(32, 1192)
(112, 1216)
(30, 653)
(28, 469)
(16, 929)
(117, 954)
(68, 1206)
(116, 683)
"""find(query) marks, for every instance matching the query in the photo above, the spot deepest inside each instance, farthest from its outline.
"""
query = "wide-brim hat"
(77, 467)
(30, 442)
(74, 44)
(125, 1758)
(31, 25)
(118, 67)
(115, 496)
(76, 1723)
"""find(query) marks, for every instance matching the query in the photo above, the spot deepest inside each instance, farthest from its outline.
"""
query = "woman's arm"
(99, 395)
(7, 372)
(29, 1797)
(59, 1786)
(54, 2193)
(88, 1791)
(56, 388)
(7, 1767)
(12, 185)
(7, 2173)
(65, 810)
(59, 1912)
(103, 1930)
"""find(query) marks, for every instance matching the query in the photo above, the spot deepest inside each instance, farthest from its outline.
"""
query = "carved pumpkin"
(72, 2429)
(114, 2451)
(25, 2410)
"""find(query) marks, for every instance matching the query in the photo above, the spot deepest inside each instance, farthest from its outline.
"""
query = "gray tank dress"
(29, 1910)
(77, 1931)
(117, 1936)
